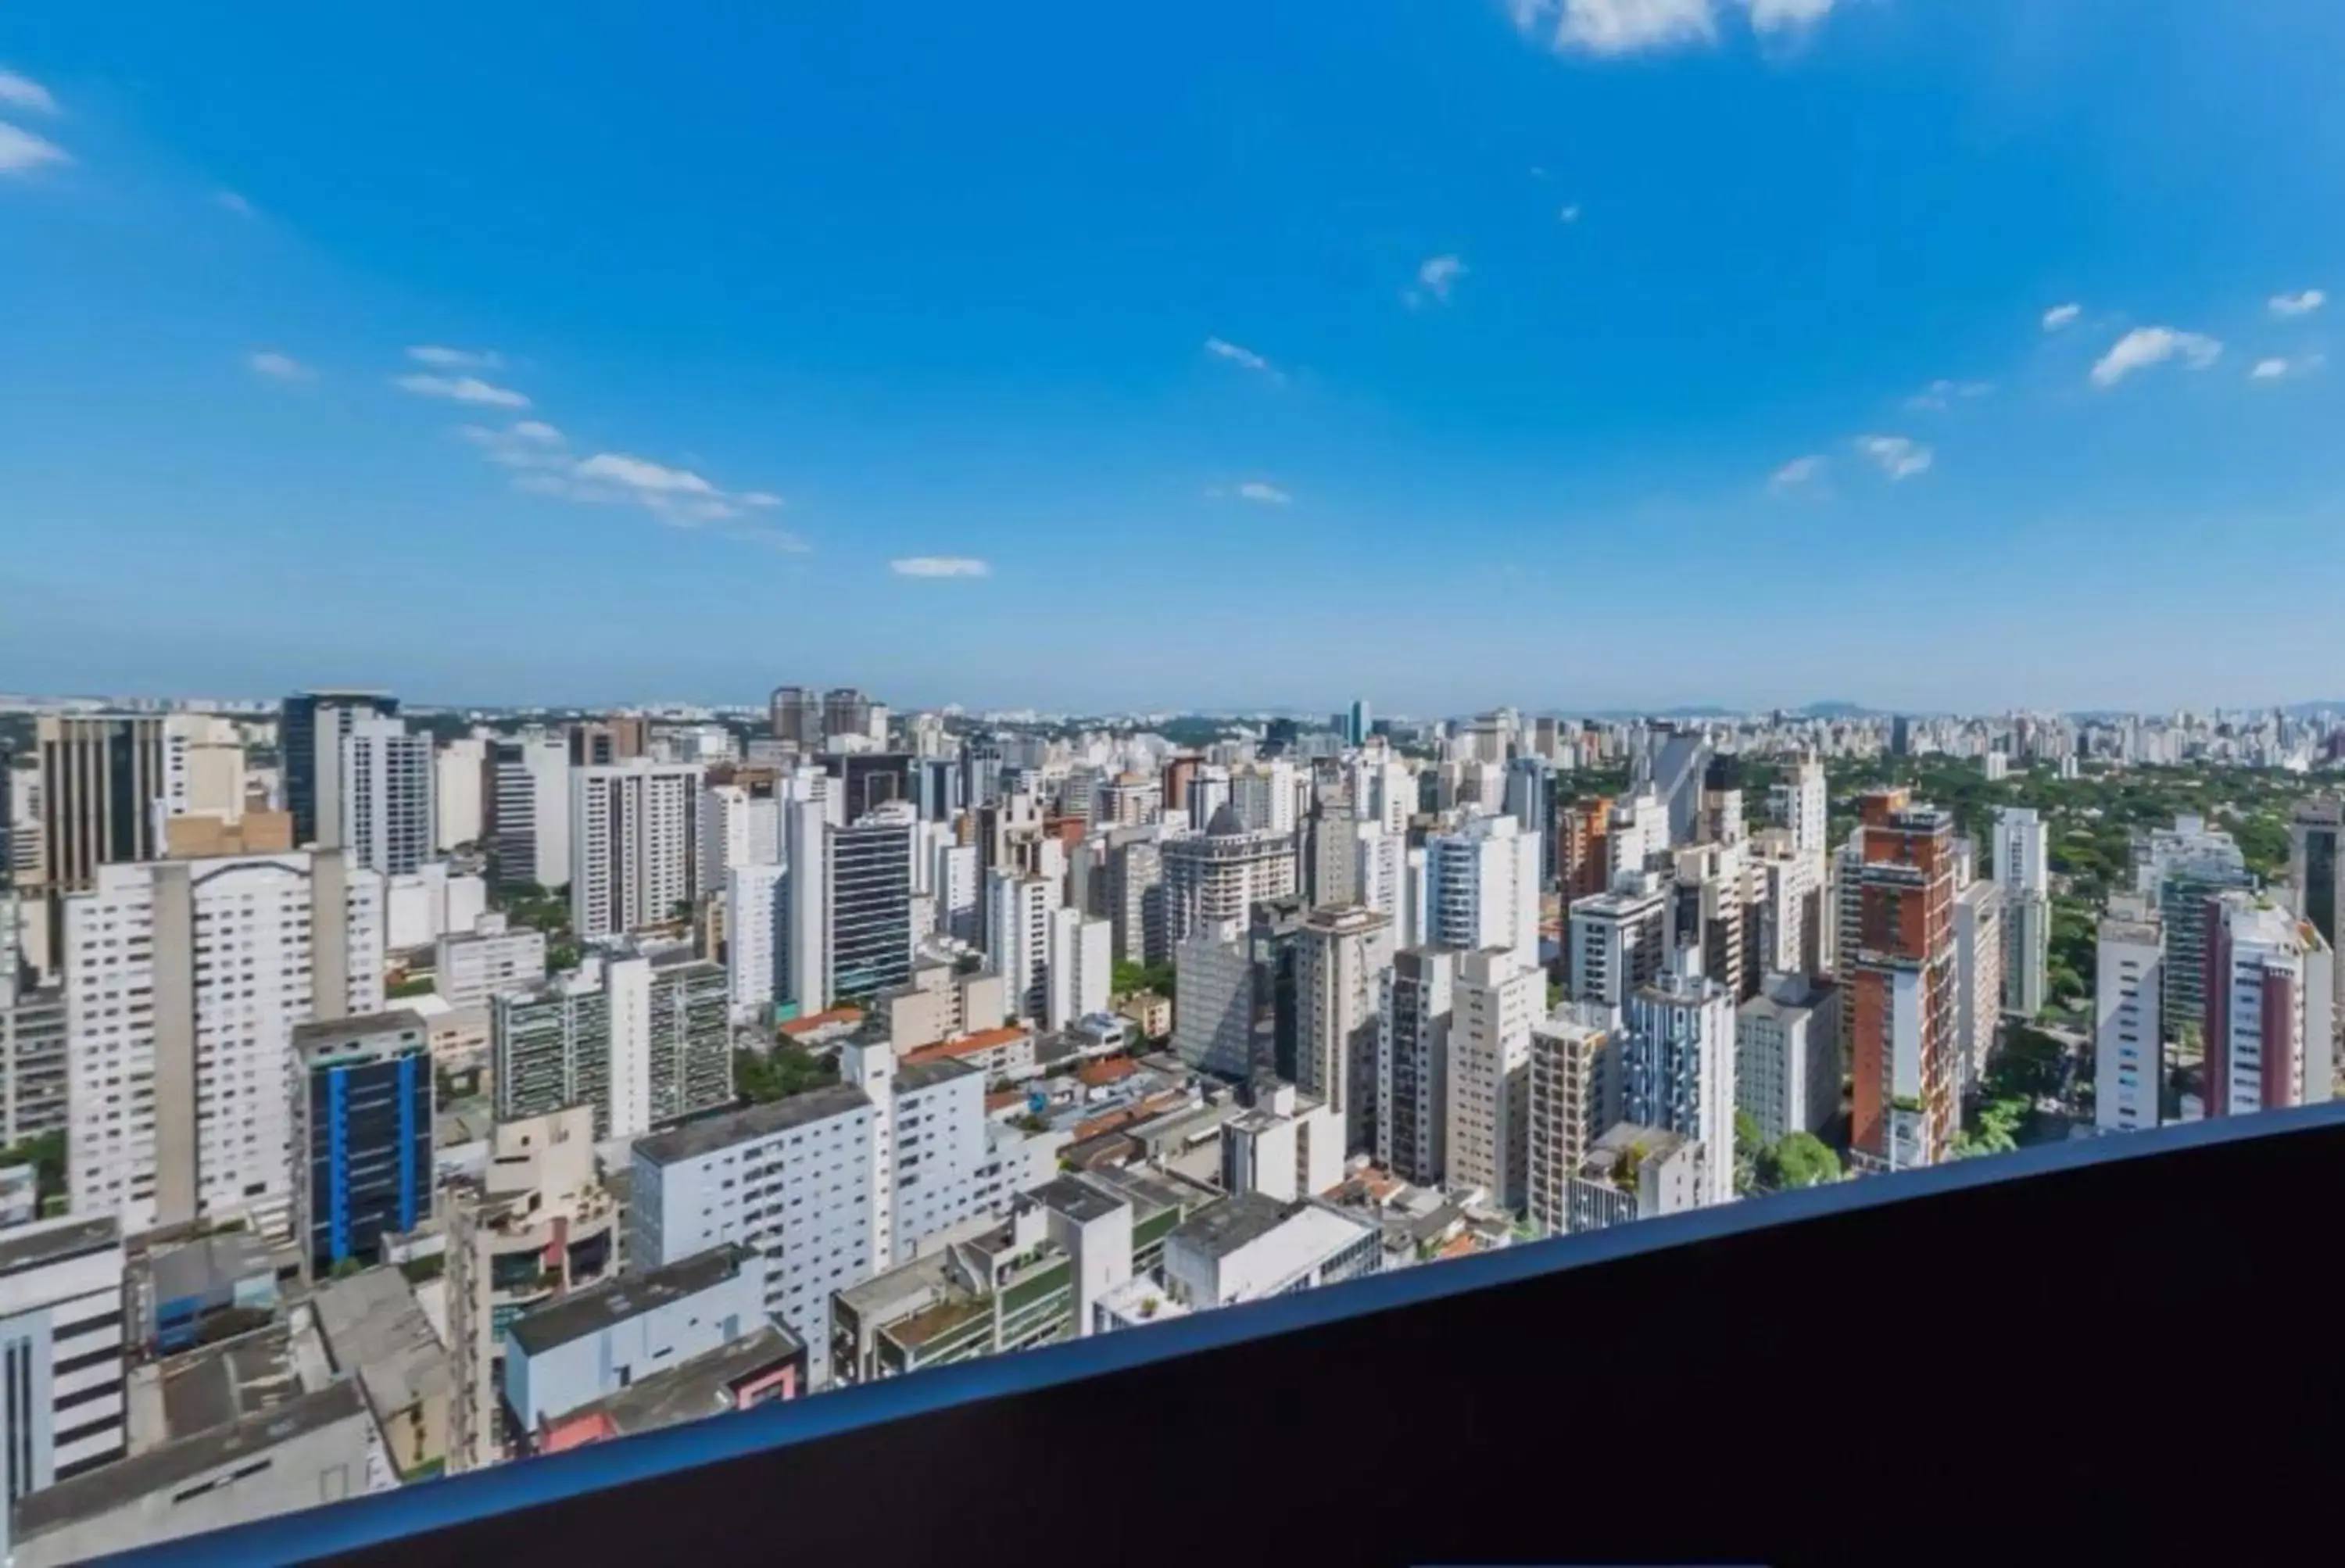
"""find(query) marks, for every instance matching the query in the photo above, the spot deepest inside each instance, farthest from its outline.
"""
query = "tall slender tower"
(1904, 979)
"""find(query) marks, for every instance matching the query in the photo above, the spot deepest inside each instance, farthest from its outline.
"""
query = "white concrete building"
(1082, 955)
(1018, 910)
(1218, 876)
(756, 943)
(530, 777)
(2129, 1042)
(1617, 941)
(1287, 1145)
(737, 828)
(61, 1353)
(2271, 994)
(1265, 797)
(1677, 1062)
(1801, 803)
(1638, 836)
(472, 966)
(1341, 955)
(1980, 949)
(386, 790)
(184, 981)
(2023, 870)
(1498, 1001)
(1483, 888)
(460, 789)
(633, 851)
(1250, 1247)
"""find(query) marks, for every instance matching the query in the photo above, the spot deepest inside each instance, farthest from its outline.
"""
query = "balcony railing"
(1992, 1361)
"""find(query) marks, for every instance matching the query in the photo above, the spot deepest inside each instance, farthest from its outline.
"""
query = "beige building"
(539, 1224)
(942, 1003)
(1574, 1097)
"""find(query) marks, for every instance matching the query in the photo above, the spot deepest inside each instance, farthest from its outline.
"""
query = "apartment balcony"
(1999, 1360)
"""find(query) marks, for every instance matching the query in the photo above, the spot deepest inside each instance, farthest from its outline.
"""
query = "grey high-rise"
(309, 731)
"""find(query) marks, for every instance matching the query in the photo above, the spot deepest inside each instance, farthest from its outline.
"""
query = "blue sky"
(1562, 352)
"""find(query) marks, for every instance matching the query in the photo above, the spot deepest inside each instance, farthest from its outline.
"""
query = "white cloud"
(1223, 349)
(230, 201)
(1439, 274)
(20, 92)
(2147, 346)
(1265, 495)
(441, 358)
(2272, 370)
(939, 567)
(2299, 304)
(1944, 393)
(543, 465)
(21, 151)
(279, 367)
(1796, 474)
(1786, 16)
(1898, 456)
(463, 388)
(2269, 369)
(1616, 27)
(2059, 316)
(1569, 213)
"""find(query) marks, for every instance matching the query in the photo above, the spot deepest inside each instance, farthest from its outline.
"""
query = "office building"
(535, 1223)
(529, 827)
(2271, 994)
(757, 942)
(865, 923)
(1634, 1173)
(1676, 1066)
(1250, 1247)
(1575, 1096)
(644, 1037)
(472, 967)
(184, 982)
(461, 792)
(102, 791)
(1134, 898)
(1414, 1014)
(1213, 1004)
(633, 846)
(362, 1107)
(2022, 868)
(1340, 957)
(2180, 868)
(1787, 1056)
(1901, 984)
(2129, 1031)
(385, 780)
(1619, 941)
(1359, 725)
(61, 1353)
(1273, 939)
(1216, 877)
(1981, 987)
(1482, 888)
(2316, 872)
(1495, 1001)
(311, 728)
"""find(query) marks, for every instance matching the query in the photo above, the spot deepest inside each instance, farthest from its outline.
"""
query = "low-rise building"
(379, 1335)
(1636, 1173)
(1248, 1247)
(60, 1353)
(1286, 1145)
(472, 968)
(768, 1363)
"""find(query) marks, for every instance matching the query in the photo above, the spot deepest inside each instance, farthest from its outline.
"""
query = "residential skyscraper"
(362, 1104)
(1787, 1056)
(796, 715)
(184, 982)
(1981, 950)
(528, 801)
(1497, 1000)
(2316, 871)
(633, 846)
(757, 942)
(385, 781)
(846, 711)
(1215, 878)
(1017, 937)
(1676, 1066)
(1531, 801)
(645, 1038)
(1617, 941)
(1415, 1011)
(1482, 888)
(2179, 868)
(1077, 971)
(1340, 957)
(2270, 993)
(1903, 985)
(2129, 1031)
(462, 796)
(309, 731)
(1575, 1097)
(1802, 802)
(1672, 765)
(2022, 869)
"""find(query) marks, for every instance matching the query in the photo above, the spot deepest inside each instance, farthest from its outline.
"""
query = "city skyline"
(1936, 335)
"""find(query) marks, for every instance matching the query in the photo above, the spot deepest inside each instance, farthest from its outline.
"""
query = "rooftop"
(695, 1139)
(349, 1031)
(1082, 1202)
(691, 1390)
(1232, 1223)
(26, 1247)
(376, 1330)
(212, 1387)
(591, 1310)
(913, 1076)
(126, 1480)
(208, 1265)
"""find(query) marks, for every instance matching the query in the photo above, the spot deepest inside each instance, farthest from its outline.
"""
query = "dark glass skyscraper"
(361, 1135)
(312, 775)
(870, 874)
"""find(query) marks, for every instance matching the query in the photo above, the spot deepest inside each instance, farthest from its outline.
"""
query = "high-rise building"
(796, 715)
(61, 1348)
(2316, 871)
(1575, 1096)
(1903, 985)
(461, 792)
(2179, 868)
(1415, 1011)
(846, 711)
(1981, 950)
(1360, 724)
(1135, 897)
(2271, 991)
(1712, 905)
(635, 846)
(1672, 765)
(184, 982)
(1676, 1066)
(31, 1035)
(1340, 957)
(385, 782)
(102, 791)
(1077, 969)
(1017, 938)
(1802, 802)
(2022, 868)
(1617, 941)
(1265, 797)
(739, 826)
(1215, 878)
(2128, 1032)
(529, 826)
(362, 1105)
(1583, 865)
(1531, 801)
(644, 1038)
(1787, 1056)
(1482, 888)
(310, 730)
(868, 900)
(1213, 1004)
(1496, 1003)
(1638, 838)
(1273, 937)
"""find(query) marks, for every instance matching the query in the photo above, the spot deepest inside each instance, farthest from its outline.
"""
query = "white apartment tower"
(2270, 1004)
(2022, 868)
(633, 845)
(1482, 888)
(2128, 1042)
(459, 791)
(1019, 909)
(530, 786)
(386, 788)
(1801, 803)
(184, 982)
(1340, 958)
(1082, 952)
(1496, 1002)
(1676, 1066)
(756, 941)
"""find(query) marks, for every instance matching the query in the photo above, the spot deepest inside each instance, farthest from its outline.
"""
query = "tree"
(761, 1077)
(1802, 1159)
(1749, 1148)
